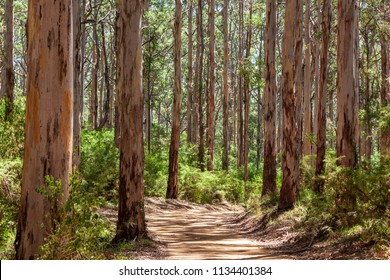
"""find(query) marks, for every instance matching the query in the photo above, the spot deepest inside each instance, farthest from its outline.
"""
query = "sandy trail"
(200, 232)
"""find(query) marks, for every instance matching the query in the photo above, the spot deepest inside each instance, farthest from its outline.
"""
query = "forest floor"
(187, 231)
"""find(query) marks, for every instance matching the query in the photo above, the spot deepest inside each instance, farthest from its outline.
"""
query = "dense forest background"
(274, 105)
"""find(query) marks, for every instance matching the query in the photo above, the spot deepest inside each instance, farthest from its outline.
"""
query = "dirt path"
(200, 232)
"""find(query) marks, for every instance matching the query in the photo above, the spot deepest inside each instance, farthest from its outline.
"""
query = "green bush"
(353, 198)
(156, 172)
(203, 187)
(99, 164)
(10, 180)
(12, 130)
(80, 232)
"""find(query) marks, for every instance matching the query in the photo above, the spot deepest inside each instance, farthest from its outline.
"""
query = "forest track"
(189, 231)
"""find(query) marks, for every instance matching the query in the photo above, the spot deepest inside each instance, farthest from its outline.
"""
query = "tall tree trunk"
(260, 106)
(95, 70)
(366, 127)
(347, 96)
(316, 70)
(131, 214)
(385, 93)
(322, 94)
(211, 92)
(49, 120)
(298, 76)
(77, 82)
(82, 58)
(106, 104)
(269, 168)
(190, 105)
(8, 81)
(246, 94)
(225, 133)
(173, 184)
(307, 121)
(240, 117)
(200, 85)
(290, 164)
(198, 74)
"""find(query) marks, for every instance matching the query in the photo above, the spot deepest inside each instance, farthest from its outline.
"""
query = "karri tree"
(131, 214)
(269, 171)
(49, 120)
(173, 184)
(291, 70)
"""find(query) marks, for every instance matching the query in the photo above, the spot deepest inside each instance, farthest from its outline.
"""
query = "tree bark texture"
(290, 162)
(49, 120)
(246, 93)
(173, 184)
(307, 121)
(225, 132)
(200, 86)
(8, 81)
(322, 94)
(211, 91)
(77, 81)
(347, 97)
(105, 117)
(269, 168)
(240, 90)
(131, 214)
(385, 93)
(190, 98)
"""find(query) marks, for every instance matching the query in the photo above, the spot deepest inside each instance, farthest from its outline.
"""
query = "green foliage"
(80, 232)
(195, 185)
(203, 187)
(354, 200)
(155, 173)
(384, 120)
(10, 179)
(100, 162)
(12, 130)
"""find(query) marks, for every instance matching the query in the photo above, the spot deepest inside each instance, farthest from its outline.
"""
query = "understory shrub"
(11, 153)
(10, 180)
(80, 231)
(99, 164)
(354, 200)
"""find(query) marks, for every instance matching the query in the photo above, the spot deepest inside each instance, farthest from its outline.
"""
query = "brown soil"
(189, 231)
(200, 232)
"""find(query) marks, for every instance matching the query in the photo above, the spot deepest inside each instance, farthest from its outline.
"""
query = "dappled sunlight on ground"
(191, 231)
